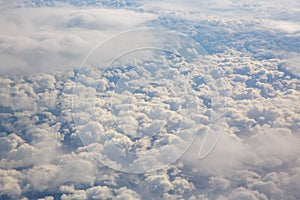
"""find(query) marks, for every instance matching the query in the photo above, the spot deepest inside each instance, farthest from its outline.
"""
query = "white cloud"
(57, 38)
(293, 64)
(256, 158)
(103, 192)
(9, 143)
(43, 148)
(292, 183)
(69, 192)
(243, 193)
(10, 181)
(269, 148)
(189, 5)
(159, 183)
(285, 26)
(42, 178)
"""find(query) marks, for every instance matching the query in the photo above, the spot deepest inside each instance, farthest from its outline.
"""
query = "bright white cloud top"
(146, 92)
(253, 48)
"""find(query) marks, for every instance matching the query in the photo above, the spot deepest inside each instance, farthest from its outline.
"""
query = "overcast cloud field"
(128, 99)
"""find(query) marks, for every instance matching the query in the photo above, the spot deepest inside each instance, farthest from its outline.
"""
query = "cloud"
(266, 147)
(292, 64)
(219, 183)
(285, 26)
(42, 156)
(189, 5)
(58, 38)
(270, 149)
(43, 148)
(70, 192)
(98, 192)
(10, 183)
(243, 193)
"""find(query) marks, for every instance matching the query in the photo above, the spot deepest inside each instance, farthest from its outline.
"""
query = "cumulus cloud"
(10, 183)
(41, 150)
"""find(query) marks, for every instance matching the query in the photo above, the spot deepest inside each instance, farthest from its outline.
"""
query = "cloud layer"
(58, 38)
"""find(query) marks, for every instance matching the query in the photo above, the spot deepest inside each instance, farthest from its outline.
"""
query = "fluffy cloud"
(10, 183)
(257, 156)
